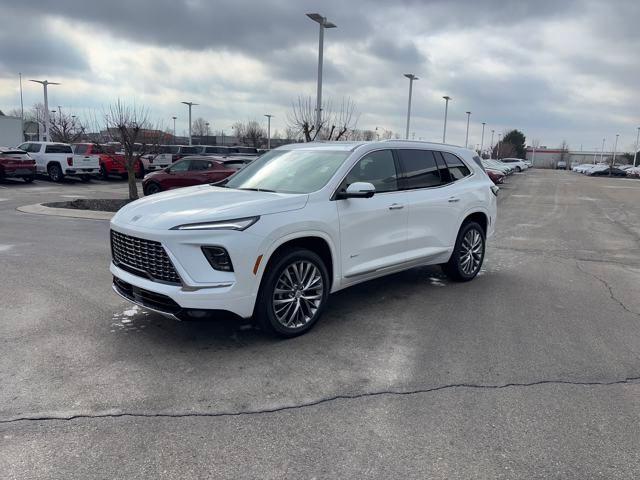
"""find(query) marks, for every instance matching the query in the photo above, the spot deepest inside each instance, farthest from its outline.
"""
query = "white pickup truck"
(57, 160)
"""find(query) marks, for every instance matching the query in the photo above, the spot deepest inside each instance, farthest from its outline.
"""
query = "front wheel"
(152, 188)
(293, 294)
(104, 173)
(468, 254)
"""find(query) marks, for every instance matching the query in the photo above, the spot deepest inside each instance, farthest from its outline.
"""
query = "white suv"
(300, 222)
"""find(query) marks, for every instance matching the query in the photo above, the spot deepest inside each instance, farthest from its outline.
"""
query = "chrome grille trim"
(144, 258)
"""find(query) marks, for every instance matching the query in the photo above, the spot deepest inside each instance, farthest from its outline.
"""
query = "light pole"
(482, 138)
(498, 149)
(324, 23)
(45, 83)
(411, 78)
(602, 150)
(190, 104)
(446, 110)
(466, 139)
(268, 115)
(207, 125)
(635, 152)
(615, 150)
(174, 129)
(491, 146)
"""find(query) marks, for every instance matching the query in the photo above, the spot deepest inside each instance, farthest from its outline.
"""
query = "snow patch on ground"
(437, 282)
(5, 248)
(3, 199)
(131, 319)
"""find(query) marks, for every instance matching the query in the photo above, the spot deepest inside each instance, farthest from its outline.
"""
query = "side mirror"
(358, 190)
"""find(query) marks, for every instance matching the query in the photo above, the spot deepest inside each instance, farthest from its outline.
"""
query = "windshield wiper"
(257, 190)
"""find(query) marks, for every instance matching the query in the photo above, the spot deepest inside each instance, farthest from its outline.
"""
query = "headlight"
(237, 224)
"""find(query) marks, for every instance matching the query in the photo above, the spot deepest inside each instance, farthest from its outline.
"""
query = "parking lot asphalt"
(530, 371)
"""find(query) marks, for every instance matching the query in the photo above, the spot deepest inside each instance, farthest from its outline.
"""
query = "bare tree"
(564, 154)
(65, 128)
(199, 127)
(333, 126)
(130, 125)
(249, 133)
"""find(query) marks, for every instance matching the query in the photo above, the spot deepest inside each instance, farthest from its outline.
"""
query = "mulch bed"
(94, 204)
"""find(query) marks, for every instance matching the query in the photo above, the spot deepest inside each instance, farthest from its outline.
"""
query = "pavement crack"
(609, 288)
(321, 401)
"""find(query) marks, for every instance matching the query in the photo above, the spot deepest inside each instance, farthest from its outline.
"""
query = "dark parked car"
(611, 171)
(16, 163)
(194, 170)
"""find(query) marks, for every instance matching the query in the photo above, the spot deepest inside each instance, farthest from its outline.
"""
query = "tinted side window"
(377, 168)
(457, 169)
(32, 147)
(81, 149)
(57, 148)
(420, 168)
(199, 165)
(478, 160)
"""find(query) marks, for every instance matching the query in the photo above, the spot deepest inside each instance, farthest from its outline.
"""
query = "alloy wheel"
(471, 251)
(298, 294)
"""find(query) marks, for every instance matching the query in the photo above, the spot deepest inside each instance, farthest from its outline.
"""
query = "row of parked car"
(605, 169)
(87, 160)
(498, 170)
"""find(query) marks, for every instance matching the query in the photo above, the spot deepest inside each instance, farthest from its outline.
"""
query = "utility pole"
(411, 78)
(190, 104)
(446, 110)
(602, 151)
(268, 115)
(324, 23)
(174, 129)
(466, 138)
(635, 151)
(46, 83)
(491, 146)
(482, 138)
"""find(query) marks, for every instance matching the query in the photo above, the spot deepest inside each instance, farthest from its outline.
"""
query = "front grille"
(144, 258)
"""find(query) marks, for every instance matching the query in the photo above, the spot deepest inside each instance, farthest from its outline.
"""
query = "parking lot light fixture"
(268, 115)
(635, 151)
(466, 139)
(45, 84)
(498, 149)
(602, 150)
(446, 110)
(174, 129)
(411, 78)
(482, 138)
(323, 23)
(190, 104)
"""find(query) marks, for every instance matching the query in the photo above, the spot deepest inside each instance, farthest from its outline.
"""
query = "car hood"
(203, 203)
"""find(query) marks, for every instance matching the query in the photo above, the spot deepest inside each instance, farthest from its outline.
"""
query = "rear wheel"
(103, 172)
(152, 188)
(293, 293)
(85, 178)
(55, 172)
(468, 254)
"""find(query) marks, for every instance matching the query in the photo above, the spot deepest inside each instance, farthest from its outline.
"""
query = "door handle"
(454, 200)
(396, 206)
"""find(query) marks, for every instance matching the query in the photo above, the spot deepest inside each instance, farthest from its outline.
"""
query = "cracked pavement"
(530, 371)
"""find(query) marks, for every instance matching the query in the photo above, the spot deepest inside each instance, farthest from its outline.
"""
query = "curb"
(40, 209)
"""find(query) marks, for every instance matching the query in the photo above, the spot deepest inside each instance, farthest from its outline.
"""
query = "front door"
(373, 231)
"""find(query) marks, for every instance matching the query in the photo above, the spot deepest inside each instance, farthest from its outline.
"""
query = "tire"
(28, 179)
(282, 312)
(470, 236)
(518, 169)
(103, 172)
(152, 188)
(85, 178)
(124, 176)
(55, 172)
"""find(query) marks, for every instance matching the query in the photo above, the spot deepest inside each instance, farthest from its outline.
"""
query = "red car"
(111, 163)
(193, 170)
(495, 176)
(15, 163)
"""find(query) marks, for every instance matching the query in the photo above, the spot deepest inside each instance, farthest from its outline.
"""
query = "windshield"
(289, 171)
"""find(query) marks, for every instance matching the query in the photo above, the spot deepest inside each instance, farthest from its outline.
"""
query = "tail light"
(70, 161)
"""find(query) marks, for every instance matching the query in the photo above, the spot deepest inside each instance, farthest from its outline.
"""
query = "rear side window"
(377, 168)
(182, 166)
(457, 168)
(199, 165)
(81, 149)
(420, 169)
(57, 148)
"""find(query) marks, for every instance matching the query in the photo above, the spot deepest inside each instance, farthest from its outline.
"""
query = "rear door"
(178, 175)
(373, 231)
(430, 203)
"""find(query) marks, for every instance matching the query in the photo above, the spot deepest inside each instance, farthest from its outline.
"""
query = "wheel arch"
(479, 217)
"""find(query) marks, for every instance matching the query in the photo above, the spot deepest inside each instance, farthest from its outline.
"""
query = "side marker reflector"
(257, 264)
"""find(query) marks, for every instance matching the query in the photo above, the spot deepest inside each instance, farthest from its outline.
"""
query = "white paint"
(3, 199)
(73, 196)
(5, 248)
(617, 186)
(521, 195)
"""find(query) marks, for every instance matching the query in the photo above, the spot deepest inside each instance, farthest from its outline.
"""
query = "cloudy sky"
(557, 70)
